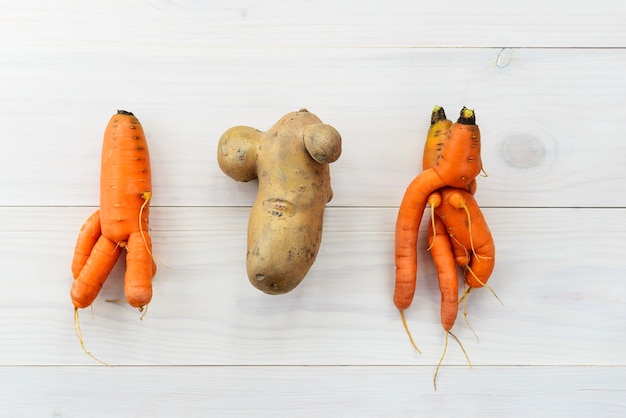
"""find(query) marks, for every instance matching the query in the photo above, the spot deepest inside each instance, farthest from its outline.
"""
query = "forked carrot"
(458, 166)
(122, 220)
(121, 223)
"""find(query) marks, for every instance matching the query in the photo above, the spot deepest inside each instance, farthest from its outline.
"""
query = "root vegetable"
(122, 220)
(290, 161)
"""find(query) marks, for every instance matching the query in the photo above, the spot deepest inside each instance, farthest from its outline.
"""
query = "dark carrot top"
(438, 115)
(467, 117)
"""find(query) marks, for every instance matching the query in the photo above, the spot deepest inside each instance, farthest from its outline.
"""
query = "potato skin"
(323, 143)
(285, 224)
(237, 152)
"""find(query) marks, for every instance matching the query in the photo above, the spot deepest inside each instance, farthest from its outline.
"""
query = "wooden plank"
(313, 391)
(547, 82)
(558, 273)
(338, 219)
(155, 24)
(541, 149)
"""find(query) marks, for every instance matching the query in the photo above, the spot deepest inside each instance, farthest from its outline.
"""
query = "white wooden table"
(548, 83)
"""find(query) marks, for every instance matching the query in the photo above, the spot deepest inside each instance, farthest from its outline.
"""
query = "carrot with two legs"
(457, 166)
(122, 221)
(452, 151)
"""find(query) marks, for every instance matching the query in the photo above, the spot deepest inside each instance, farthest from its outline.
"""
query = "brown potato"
(291, 164)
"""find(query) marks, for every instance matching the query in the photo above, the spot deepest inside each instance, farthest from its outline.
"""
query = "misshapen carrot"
(471, 239)
(122, 220)
(458, 166)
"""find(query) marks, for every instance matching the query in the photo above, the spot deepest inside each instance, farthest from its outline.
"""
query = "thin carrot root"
(432, 220)
(469, 362)
(484, 284)
(79, 334)
(457, 200)
(143, 310)
(460, 245)
(434, 200)
(408, 332)
(445, 349)
(469, 227)
(146, 196)
(463, 300)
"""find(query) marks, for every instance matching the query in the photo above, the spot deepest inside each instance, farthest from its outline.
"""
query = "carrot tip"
(143, 310)
(467, 117)
(437, 115)
(124, 112)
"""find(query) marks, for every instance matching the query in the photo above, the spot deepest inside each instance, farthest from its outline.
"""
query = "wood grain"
(556, 310)
(313, 391)
(153, 24)
(543, 144)
(547, 83)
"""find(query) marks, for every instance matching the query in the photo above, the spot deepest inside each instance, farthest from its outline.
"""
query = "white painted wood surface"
(547, 82)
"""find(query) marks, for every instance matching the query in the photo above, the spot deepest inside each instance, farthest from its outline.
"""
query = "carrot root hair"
(493, 292)
(443, 354)
(79, 334)
(143, 310)
(408, 332)
(146, 196)
(434, 200)
(457, 200)
(432, 224)
(463, 300)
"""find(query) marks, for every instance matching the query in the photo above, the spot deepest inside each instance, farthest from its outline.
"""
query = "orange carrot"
(122, 220)
(87, 237)
(471, 239)
(441, 251)
(458, 166)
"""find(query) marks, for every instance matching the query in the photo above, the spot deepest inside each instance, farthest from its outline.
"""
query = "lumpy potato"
(290, 161)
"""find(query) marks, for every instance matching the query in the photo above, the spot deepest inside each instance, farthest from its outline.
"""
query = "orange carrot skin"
(138, 278)
(124, 176)
(87, 237)
(125, 191)
(460, 161)
(482, 262)
(89, 281)
(407, 223)
(441, 251)
(481, 269)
